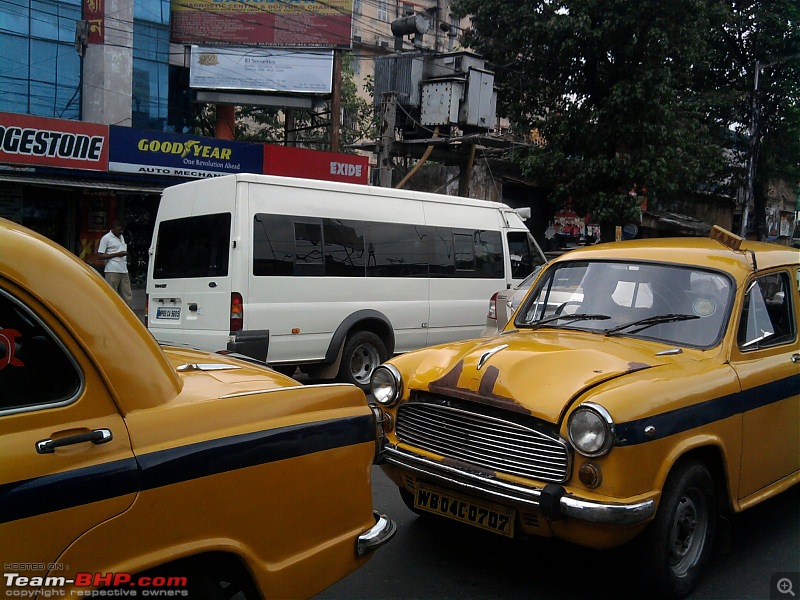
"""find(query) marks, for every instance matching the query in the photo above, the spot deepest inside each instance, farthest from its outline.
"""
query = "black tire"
(363, 352)
(676, 546)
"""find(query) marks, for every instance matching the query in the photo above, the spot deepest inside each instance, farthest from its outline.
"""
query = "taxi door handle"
(98, 436)
(795, 358)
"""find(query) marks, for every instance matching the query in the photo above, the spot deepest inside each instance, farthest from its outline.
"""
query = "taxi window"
(767, 317)
(35, 370)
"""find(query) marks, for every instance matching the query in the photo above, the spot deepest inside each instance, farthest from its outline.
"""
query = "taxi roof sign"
(725, 237)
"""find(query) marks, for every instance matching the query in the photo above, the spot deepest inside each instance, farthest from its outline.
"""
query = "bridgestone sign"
(42, 142)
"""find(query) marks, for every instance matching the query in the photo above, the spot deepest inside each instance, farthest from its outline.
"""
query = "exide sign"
(315, 164)
(41, 141)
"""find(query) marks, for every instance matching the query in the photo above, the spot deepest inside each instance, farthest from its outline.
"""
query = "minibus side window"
(308, 249)
(488, 254)
(465, 252)
(344, 248)
(273, 245)
(396, 250)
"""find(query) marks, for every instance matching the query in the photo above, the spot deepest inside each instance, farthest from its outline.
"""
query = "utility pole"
(336, 100)
(748, 213)
(388, 120)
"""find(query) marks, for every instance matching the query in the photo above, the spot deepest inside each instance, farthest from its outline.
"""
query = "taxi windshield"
(676, 304)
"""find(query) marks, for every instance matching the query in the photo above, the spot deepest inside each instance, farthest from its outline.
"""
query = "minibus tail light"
(237, 312)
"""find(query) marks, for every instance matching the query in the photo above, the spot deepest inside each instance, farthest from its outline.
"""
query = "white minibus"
(332, 278)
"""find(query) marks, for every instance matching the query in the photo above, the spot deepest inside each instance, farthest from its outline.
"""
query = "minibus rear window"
(193, 247)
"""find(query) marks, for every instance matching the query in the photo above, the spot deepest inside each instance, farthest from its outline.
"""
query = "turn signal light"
(590, 475)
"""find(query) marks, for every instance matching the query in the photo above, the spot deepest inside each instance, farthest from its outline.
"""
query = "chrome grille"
(483, 441)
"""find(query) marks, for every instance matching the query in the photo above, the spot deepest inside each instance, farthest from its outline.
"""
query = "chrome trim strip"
(489, 353)
(504, 491)
(205, 367)
(375, 537)
(283, 389)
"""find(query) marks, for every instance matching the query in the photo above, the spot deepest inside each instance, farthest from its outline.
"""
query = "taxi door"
(66, 463)
(766, 360)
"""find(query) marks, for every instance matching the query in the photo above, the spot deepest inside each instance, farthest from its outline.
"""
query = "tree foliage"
(630, 94)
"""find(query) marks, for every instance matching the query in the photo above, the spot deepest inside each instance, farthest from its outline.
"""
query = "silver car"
(504, 302)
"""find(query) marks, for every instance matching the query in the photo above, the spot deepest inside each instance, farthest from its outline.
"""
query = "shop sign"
(157, 153)
(314, 164)
(41, 141)
(262, 69)
(94, 11)
(263, 22)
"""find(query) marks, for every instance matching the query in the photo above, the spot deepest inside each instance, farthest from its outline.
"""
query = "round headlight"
(591, 430)
(386, 385)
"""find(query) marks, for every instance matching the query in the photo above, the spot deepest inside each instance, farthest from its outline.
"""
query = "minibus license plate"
(168, 313)
(486, 515)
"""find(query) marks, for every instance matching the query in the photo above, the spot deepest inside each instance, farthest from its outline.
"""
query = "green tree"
(623, 94)
(763, 36)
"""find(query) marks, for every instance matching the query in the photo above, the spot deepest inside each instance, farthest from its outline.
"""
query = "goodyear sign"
(157, 153)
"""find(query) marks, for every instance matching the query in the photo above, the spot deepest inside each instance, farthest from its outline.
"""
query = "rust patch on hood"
(637, 366)
(448, 386)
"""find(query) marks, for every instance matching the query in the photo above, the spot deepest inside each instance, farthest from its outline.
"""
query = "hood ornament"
(489, 353)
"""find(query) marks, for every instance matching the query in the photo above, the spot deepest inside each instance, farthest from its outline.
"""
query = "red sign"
(94, 11)
(40, 141)
(314, 164)
(325, 23)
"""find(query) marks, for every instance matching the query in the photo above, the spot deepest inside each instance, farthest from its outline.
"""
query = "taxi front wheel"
(677, 544)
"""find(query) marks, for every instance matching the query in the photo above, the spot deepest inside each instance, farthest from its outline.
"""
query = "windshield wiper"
(649, 322)
(572, 317)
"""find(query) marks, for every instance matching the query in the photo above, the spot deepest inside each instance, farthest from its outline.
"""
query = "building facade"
(95, 119)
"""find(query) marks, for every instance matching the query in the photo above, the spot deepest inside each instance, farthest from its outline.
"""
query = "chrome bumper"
(552, 499)
(375, 537)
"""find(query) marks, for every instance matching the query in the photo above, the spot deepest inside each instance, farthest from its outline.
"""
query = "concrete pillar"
(108, 69)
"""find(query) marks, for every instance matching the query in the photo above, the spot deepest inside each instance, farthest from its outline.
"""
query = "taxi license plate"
(485, 515)
(168, 313)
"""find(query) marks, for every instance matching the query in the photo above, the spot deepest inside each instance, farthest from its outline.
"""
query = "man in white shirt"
(113, 249)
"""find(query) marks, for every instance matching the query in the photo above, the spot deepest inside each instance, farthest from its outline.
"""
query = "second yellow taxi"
(641, 390)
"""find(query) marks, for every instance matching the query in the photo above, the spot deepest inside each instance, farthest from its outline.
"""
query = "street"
(433, 558)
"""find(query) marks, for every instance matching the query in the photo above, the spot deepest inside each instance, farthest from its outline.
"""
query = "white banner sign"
(262, 69)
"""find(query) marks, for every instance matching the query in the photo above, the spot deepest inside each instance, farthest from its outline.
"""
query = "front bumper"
(375, 537)
(552, 500)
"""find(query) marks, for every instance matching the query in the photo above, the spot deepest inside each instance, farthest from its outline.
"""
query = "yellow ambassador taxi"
(164, 471)
(641, 390)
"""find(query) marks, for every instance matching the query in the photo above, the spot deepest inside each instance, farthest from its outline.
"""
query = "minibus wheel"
(363, 352)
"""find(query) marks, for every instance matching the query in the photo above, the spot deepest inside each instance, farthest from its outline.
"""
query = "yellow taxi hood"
(537, 374)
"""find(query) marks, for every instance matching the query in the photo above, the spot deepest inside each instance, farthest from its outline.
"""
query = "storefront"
(68, 180)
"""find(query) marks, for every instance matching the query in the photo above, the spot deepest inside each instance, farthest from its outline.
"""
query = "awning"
(60, 182)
